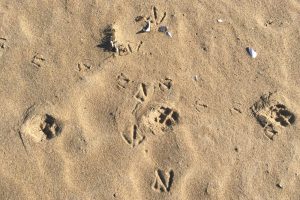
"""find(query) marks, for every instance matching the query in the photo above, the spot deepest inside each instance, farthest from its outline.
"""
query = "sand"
(191, 116)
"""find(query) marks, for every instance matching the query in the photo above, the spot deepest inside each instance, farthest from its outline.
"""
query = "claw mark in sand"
(139, 46)
(163, 180)
(199, 105)
(129, 47)
(163, 18)
(155, 13)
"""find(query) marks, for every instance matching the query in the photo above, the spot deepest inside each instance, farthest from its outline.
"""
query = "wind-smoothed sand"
(188, 117)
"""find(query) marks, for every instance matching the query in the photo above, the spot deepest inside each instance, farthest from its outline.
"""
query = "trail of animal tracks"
(149, 100)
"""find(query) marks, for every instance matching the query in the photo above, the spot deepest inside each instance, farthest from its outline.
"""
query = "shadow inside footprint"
(106, 41)
(50, 127)
(270, 114)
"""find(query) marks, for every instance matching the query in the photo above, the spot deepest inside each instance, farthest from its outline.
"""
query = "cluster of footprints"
(156, 118)
(111, 42)
(272, 114)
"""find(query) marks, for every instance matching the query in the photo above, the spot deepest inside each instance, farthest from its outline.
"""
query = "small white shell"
(169, 34)
(220, 20)
(112, 45)
(196, 78)
(251, 52)
(147, 27)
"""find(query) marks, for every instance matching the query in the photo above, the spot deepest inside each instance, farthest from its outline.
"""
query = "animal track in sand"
(157, 18)
(49, 126)
(113, 41)
(133, 137)
(38, 60)
(141, 94)
(163, 116)
(200, 106)
(156, 119)
(40, 127)
(165, 84)
(122, 81)
(154, 17)
(272, 114)
(84, 66)
(163, 180)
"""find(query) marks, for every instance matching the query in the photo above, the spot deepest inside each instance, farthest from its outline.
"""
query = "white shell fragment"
(114, 46)
(169, 34)
(164, 29)
(196, 78)
(251, 52)
(147, 27)
(220, 20)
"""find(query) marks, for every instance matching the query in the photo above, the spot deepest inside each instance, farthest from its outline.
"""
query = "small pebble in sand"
(251, 52)
(220, 20)
(164, 29)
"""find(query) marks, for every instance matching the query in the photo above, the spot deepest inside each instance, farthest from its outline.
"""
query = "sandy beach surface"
(150, 99)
